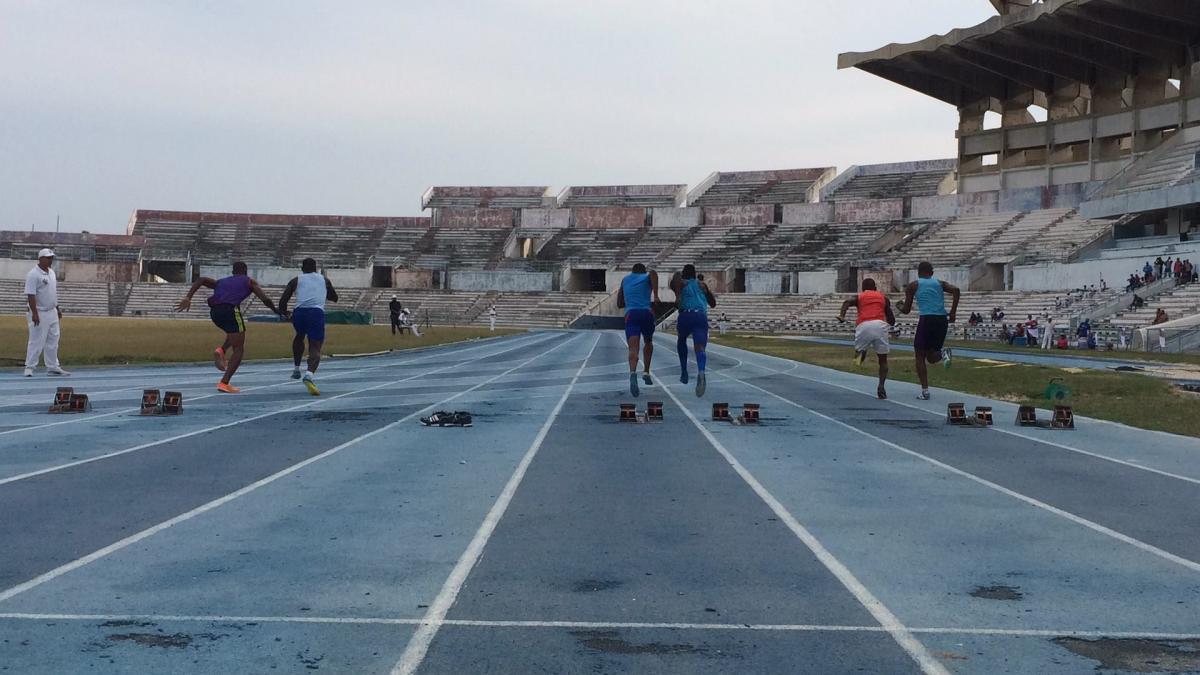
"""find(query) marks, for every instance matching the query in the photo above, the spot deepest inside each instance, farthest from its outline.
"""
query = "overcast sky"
(299, 106)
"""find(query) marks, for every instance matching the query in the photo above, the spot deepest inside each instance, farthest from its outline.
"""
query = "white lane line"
(1079, 520)
(204, 508)
(615, 625)
(216, 427)
(1027, 437)
(418, 645)
(865, 597)
(76, 419)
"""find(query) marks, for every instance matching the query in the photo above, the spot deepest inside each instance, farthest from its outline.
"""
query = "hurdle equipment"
(62, 399)
(654, 410)
(956, 414)
(628, 412)
(1027, 416)
(720, 412)
(1064, 417)
(150, 402)
(750, 413)
(983, 415)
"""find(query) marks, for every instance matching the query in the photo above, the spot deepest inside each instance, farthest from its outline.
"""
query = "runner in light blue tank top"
(931, 298)
(638, 292)
(929, 292)
(694, 299)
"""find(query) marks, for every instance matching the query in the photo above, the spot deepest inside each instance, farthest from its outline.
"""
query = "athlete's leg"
(922, 369)
(647, 353)
(314, 354)
(634, 342)
(297, 349)
(700, 346)
(881, 392)
(233, 359)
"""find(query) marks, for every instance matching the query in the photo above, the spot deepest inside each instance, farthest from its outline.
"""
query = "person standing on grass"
(311, 289)
(1048, 333)
(394, 308)
(694, 299)
(930, 295)
(224, 308)
(637, 289)
(44, 315)
(875, 319)
(492, 318)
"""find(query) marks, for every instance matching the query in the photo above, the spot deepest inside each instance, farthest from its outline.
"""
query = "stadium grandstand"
(1090, 170)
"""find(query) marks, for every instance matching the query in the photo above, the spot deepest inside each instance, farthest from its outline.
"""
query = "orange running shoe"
(227, 388)
(219, 358)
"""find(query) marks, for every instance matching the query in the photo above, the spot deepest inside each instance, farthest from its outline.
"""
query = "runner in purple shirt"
(224, 308)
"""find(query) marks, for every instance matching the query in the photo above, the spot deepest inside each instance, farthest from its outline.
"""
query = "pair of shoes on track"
(443, 418)
(49, 371)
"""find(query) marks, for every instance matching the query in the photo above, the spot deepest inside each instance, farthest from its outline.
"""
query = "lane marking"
(204, 508)
(418, 644)
(887, 620)
(1035, 439)
(1079, 520)
(216, 427)
(88, 418)
(616, 625)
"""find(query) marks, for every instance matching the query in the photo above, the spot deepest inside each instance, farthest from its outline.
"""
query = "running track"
(276, 532)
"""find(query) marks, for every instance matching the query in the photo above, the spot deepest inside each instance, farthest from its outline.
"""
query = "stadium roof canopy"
(1035, 45)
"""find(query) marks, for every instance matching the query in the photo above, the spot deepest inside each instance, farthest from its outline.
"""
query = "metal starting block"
(1063, 418)
(628, 412)
(983, 415)
(721, 412)
(750, 413)
(169, 403)
(67, 401)
(654, 410)
(956, 414)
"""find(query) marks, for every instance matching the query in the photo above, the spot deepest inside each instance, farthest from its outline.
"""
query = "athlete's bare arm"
(288, 291)
(654, 286)
(186, 303)
(708, 295)
(887, 310)
(954, 296)
(852, 302)
(330, 294)
(910, 292)
(676, 284)
(621, 297)
(261, 295)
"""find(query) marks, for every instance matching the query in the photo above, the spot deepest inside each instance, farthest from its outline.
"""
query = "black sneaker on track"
(443, 418)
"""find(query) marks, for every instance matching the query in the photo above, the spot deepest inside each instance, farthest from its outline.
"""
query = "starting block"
(628, 412)
(169, 403)
(1027, 416)
(956, 414)
(1064, 417)
(720, 412)
(750, 413)
(67, 401)
(983, 415)
(654, 412)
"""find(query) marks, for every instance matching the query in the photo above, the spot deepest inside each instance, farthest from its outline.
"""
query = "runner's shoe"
(442, 418)
(924, 395)
(683, 376)
(881, 393)
(219, 358)
(57, 371)
(295, 373)
(947, 355)
(633, 385)
(29, 372)
(701, 383)
(647, 380)
(227, 388)
(307, 379)
(860, 358)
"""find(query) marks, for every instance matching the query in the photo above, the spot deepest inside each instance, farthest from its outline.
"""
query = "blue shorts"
(309, 322)
(694, 325)
(639, 322)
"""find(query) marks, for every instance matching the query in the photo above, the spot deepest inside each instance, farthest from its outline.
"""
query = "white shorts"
(872, 335)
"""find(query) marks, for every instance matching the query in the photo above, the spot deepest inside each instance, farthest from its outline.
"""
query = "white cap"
(45, 253)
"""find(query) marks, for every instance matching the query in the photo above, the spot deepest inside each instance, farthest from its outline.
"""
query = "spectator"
(1103, 284)
(1019, 335)
(492, 318)
(723, 323)
(407, 322)
(997, 314)
(1137, 303)
(1048, 333)
(1162, 340)
(1031, 332)
(1178, 270)
(394, 308)
(1006, 335)
(1158, 267)
(1123, 337)
(1058, 303)
(43, 317)
(1160, 317)
(1062, 342)
(1147, 269)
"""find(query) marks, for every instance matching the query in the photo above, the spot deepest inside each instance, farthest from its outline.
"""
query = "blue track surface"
(276, 532)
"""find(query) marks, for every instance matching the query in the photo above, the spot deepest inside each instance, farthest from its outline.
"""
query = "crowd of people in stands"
(1183, 271)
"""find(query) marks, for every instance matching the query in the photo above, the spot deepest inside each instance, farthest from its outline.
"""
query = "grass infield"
(1137, 400)
(100, 341)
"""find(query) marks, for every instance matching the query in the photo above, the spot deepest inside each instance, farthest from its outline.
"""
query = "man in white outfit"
(41, 291)
(1048, 333)
(492, 318)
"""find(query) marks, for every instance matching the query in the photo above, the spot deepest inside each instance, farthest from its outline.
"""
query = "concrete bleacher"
(599, 248)
(554, 309)
(786, 186)
(480, 196)
(828, 246)
(1064, 237)
(645, 196)
(1022, 233)
(1178, 303)
(437, 306)
(955, 241)
(460, 247)
(889, 185)
(655, 243)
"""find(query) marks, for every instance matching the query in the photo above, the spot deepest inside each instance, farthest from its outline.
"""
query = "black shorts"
(228, 318)
(931, 333)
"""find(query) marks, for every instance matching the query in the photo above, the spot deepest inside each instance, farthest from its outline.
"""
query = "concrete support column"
(970, 121)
